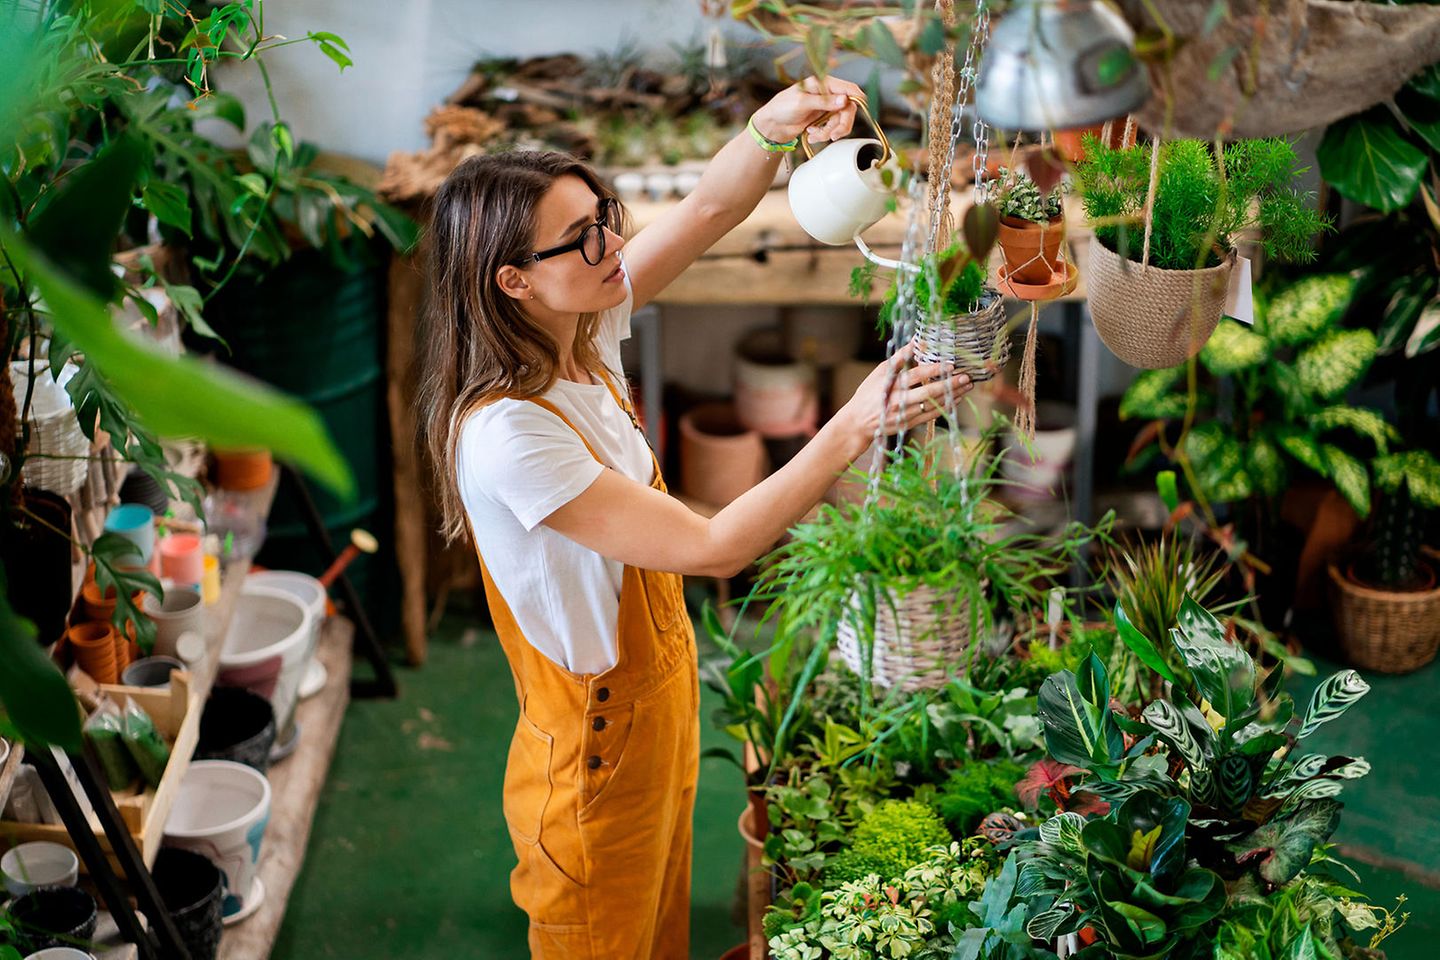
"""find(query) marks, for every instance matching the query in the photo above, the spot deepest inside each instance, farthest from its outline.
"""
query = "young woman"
(542, 465)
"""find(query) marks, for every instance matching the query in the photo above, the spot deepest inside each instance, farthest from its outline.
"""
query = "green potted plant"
(906, 581)
(1387, 599)
(1193, 204)
(1031, 233)
(1208, 791)
(958, 317)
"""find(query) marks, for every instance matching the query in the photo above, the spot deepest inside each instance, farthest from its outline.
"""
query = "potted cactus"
(1387, 598)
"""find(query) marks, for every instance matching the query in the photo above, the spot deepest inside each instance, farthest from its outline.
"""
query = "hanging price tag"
(1238, 303)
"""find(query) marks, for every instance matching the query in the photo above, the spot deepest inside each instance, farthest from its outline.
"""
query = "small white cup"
(40, 863)
(61, 953)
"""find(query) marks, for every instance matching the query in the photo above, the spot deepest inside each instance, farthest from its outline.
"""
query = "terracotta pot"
(752, 810)
(719, 458)
(1068, 142)
(775, 395)
(242, 469)
(1032, 250)
(94, 645)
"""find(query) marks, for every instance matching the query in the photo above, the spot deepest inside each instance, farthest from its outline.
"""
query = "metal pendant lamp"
(1057, 64)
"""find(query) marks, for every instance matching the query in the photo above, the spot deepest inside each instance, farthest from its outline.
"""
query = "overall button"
(594, 763)
(602, 694)
(598, 723)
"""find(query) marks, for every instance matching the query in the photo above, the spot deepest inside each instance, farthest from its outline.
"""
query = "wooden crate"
(176, 711)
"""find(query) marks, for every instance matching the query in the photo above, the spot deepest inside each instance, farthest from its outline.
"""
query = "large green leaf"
(179, 397)
(1304, 309)
(1265, 466)
(1223, 671)
(1426, 334)
(76, 230)
(1367, 159)
(1410, 297)
(1334, 363)
(1422, 112)
(1141, 645)
(1331, 699)
(1282, 848)
(1301, 445)
(1350, 478)
(1074, 710)
(1417, 470)
(1152, 396)
(1170, 726)
(34, 693)
(1363, 421)
(1233, 347)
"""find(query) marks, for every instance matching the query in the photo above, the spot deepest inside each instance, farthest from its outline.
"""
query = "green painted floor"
(409, 855)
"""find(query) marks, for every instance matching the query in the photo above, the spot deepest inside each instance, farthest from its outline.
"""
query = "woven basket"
(1384, 631)
(976, 343)
(919, 637)
(57, 436)
(1150, 317)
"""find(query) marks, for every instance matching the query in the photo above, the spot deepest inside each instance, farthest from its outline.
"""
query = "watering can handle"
(860, 105)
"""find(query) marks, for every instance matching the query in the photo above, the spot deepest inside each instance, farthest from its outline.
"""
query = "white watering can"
(838, 194)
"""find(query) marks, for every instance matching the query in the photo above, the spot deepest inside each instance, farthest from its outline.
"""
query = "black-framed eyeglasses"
(590, 243)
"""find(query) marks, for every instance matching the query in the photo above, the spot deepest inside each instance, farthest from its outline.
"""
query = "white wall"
(411, 54)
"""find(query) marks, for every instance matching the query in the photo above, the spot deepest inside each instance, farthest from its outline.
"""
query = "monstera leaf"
(1282, 848)
(1075, 713)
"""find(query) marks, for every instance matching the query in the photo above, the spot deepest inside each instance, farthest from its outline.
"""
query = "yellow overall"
(600, 780)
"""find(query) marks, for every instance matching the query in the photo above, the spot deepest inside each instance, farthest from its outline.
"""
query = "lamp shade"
(1056, 64)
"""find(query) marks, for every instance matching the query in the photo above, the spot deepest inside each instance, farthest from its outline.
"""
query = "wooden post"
(406, 296)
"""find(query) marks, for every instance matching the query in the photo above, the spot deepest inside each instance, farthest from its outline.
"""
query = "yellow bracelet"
(768, 145)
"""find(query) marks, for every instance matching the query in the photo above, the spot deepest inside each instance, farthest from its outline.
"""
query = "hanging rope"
(1025, 412)
(942, 87)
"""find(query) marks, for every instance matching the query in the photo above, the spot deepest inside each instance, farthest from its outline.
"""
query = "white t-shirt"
(517, 464)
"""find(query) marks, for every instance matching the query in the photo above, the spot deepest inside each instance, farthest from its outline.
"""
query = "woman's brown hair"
(477, 342)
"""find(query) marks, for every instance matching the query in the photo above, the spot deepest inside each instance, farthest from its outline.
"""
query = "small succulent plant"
(1021, 198)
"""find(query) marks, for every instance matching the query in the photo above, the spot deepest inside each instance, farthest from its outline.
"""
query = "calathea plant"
(1125, 876)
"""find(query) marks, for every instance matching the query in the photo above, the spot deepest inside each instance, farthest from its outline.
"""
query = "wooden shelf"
(295, 786)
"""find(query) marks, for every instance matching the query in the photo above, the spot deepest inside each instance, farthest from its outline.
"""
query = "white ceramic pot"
(265, 649)
(220, 811)
(182, 611)
(30, 866)
(1038, 474)
(60, 953)
(311, 592)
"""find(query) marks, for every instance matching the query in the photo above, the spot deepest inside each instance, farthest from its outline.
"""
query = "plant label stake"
(1239, 304)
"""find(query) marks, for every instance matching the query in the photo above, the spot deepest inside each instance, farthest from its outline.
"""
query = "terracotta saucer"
(1059, 285)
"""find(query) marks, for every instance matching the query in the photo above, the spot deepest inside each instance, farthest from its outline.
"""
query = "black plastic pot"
(54, 917)
(237, 725)
(193, 890)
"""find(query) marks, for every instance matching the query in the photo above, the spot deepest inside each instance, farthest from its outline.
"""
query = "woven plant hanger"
(1151, 317)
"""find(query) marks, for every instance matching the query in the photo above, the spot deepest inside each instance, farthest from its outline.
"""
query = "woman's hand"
(915, 396)
(818, 112)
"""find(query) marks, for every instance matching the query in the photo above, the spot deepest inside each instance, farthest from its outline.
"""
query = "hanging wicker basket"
(1150, 317)
(1385, 631)
(1313, 62)
(976, 343)
(919, 638)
